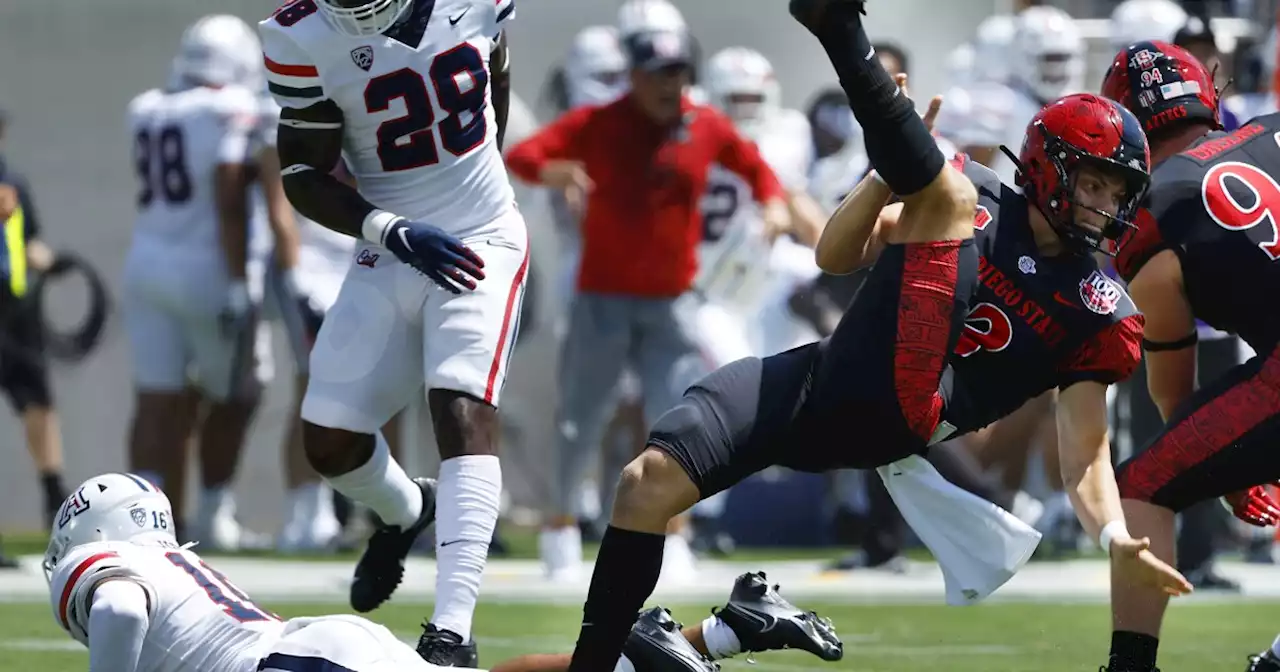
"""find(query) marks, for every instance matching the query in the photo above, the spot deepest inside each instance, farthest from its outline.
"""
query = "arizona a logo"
(139, 516)
(362, 57)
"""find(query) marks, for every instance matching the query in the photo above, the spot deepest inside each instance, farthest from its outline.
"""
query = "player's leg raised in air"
(893, 342)
(1221, 442)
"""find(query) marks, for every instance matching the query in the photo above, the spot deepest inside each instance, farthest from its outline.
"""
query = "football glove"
(237, 310)
(438, 255)
(1254, 506)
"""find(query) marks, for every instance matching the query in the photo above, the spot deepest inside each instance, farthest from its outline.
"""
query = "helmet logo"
(75, 505)
(1144, 59)
(139, 516)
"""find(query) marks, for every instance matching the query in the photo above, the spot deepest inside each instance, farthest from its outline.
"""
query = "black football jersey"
(1217, 206)
(1035, 322)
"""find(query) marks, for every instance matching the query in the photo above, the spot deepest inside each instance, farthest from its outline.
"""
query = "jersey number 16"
(460, 80)
(236, 604)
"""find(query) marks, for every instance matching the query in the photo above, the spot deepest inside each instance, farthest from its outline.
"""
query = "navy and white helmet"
(641, 16)
(595, 71)
(219, 50)
(110, 507)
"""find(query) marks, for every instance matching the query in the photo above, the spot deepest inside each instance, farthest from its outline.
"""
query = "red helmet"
(1076, 130)
(1162, 83)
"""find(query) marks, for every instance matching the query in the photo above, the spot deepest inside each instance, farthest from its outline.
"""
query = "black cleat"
(445, 648)
(1263, 662)
(765, 621)
(381, 568)
(657, 645)
(812, 13)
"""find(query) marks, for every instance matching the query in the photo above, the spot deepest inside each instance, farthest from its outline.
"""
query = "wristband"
(1112, 530)
(289, 278)
(238, 295)
(374, 227)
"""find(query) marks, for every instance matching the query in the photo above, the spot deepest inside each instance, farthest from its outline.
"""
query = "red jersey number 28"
(1259, 211)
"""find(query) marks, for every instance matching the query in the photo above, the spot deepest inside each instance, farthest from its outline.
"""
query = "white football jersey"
(420, 132)
(733, 260)
(319, 248)
(179, 140)
(198, 620)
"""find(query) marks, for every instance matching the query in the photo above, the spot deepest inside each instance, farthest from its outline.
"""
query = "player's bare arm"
(284, 228)
(310, 145)
(500, 82)
(807, 218)
(1169, 336)
(853, 235)
(1084, 453)
(231, 193)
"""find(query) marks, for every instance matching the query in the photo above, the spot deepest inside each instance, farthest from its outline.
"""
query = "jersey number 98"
(161, 161)
(460, 79)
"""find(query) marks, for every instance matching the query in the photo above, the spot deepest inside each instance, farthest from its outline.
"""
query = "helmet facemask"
(1062, 209)
(363, 18)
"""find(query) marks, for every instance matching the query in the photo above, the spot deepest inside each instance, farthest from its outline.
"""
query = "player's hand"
(8, 200)
(236, 311)
(569, 178)
(436, 254)
(1131, 559)
(1254, 506)
(777, 219)
(935, 105)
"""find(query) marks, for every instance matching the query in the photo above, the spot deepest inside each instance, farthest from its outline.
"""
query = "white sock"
(1275, 647)
(382, 485)
(624, 665)
(721, 641)
(467, 503)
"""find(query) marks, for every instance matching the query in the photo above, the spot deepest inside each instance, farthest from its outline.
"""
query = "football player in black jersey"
(1205, 246)
(953, 328)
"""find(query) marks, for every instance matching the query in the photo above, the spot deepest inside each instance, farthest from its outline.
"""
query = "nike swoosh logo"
(1057, 296)
(767, 623)
(450, 543)
(404, 239)
(453, 20)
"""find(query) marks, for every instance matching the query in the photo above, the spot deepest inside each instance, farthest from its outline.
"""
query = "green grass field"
(1009, 637)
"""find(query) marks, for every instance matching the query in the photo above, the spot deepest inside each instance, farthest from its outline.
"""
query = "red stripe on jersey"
(516, 282)
(291, 70)
(71, 584)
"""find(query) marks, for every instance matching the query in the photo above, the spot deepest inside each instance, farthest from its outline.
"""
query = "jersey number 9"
(161, 161)
(460, 80)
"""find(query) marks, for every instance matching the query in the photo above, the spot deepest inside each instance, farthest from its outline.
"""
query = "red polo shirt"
(642, 225)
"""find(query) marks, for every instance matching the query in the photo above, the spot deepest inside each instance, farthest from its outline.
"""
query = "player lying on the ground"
(1205, 247)
(961, 320)
(120, 584)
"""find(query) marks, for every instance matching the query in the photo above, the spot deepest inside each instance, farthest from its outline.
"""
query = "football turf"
(1001, 637)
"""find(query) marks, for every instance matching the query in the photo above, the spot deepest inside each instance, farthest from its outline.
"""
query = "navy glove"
(436, 254)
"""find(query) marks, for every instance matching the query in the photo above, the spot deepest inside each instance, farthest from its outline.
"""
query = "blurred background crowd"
(67, 73)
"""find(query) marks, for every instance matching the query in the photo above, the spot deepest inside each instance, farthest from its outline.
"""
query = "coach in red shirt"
(636, 169)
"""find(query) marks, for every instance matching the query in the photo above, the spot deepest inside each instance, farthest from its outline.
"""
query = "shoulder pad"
(79, 573)
(292, 76)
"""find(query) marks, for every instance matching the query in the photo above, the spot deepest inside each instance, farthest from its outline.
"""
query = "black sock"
(54, 492)
(898, 143)
(1133, 651)
(626, 573)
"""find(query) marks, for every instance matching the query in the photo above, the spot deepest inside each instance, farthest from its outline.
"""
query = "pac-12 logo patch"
(1100, 294)
(139, 516)
(362, 57)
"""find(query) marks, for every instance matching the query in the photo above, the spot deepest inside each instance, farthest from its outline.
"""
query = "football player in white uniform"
(412, 94)
(120, 584)
(979, 108)
(1048, 63)
(745, 272)
(187, 297)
